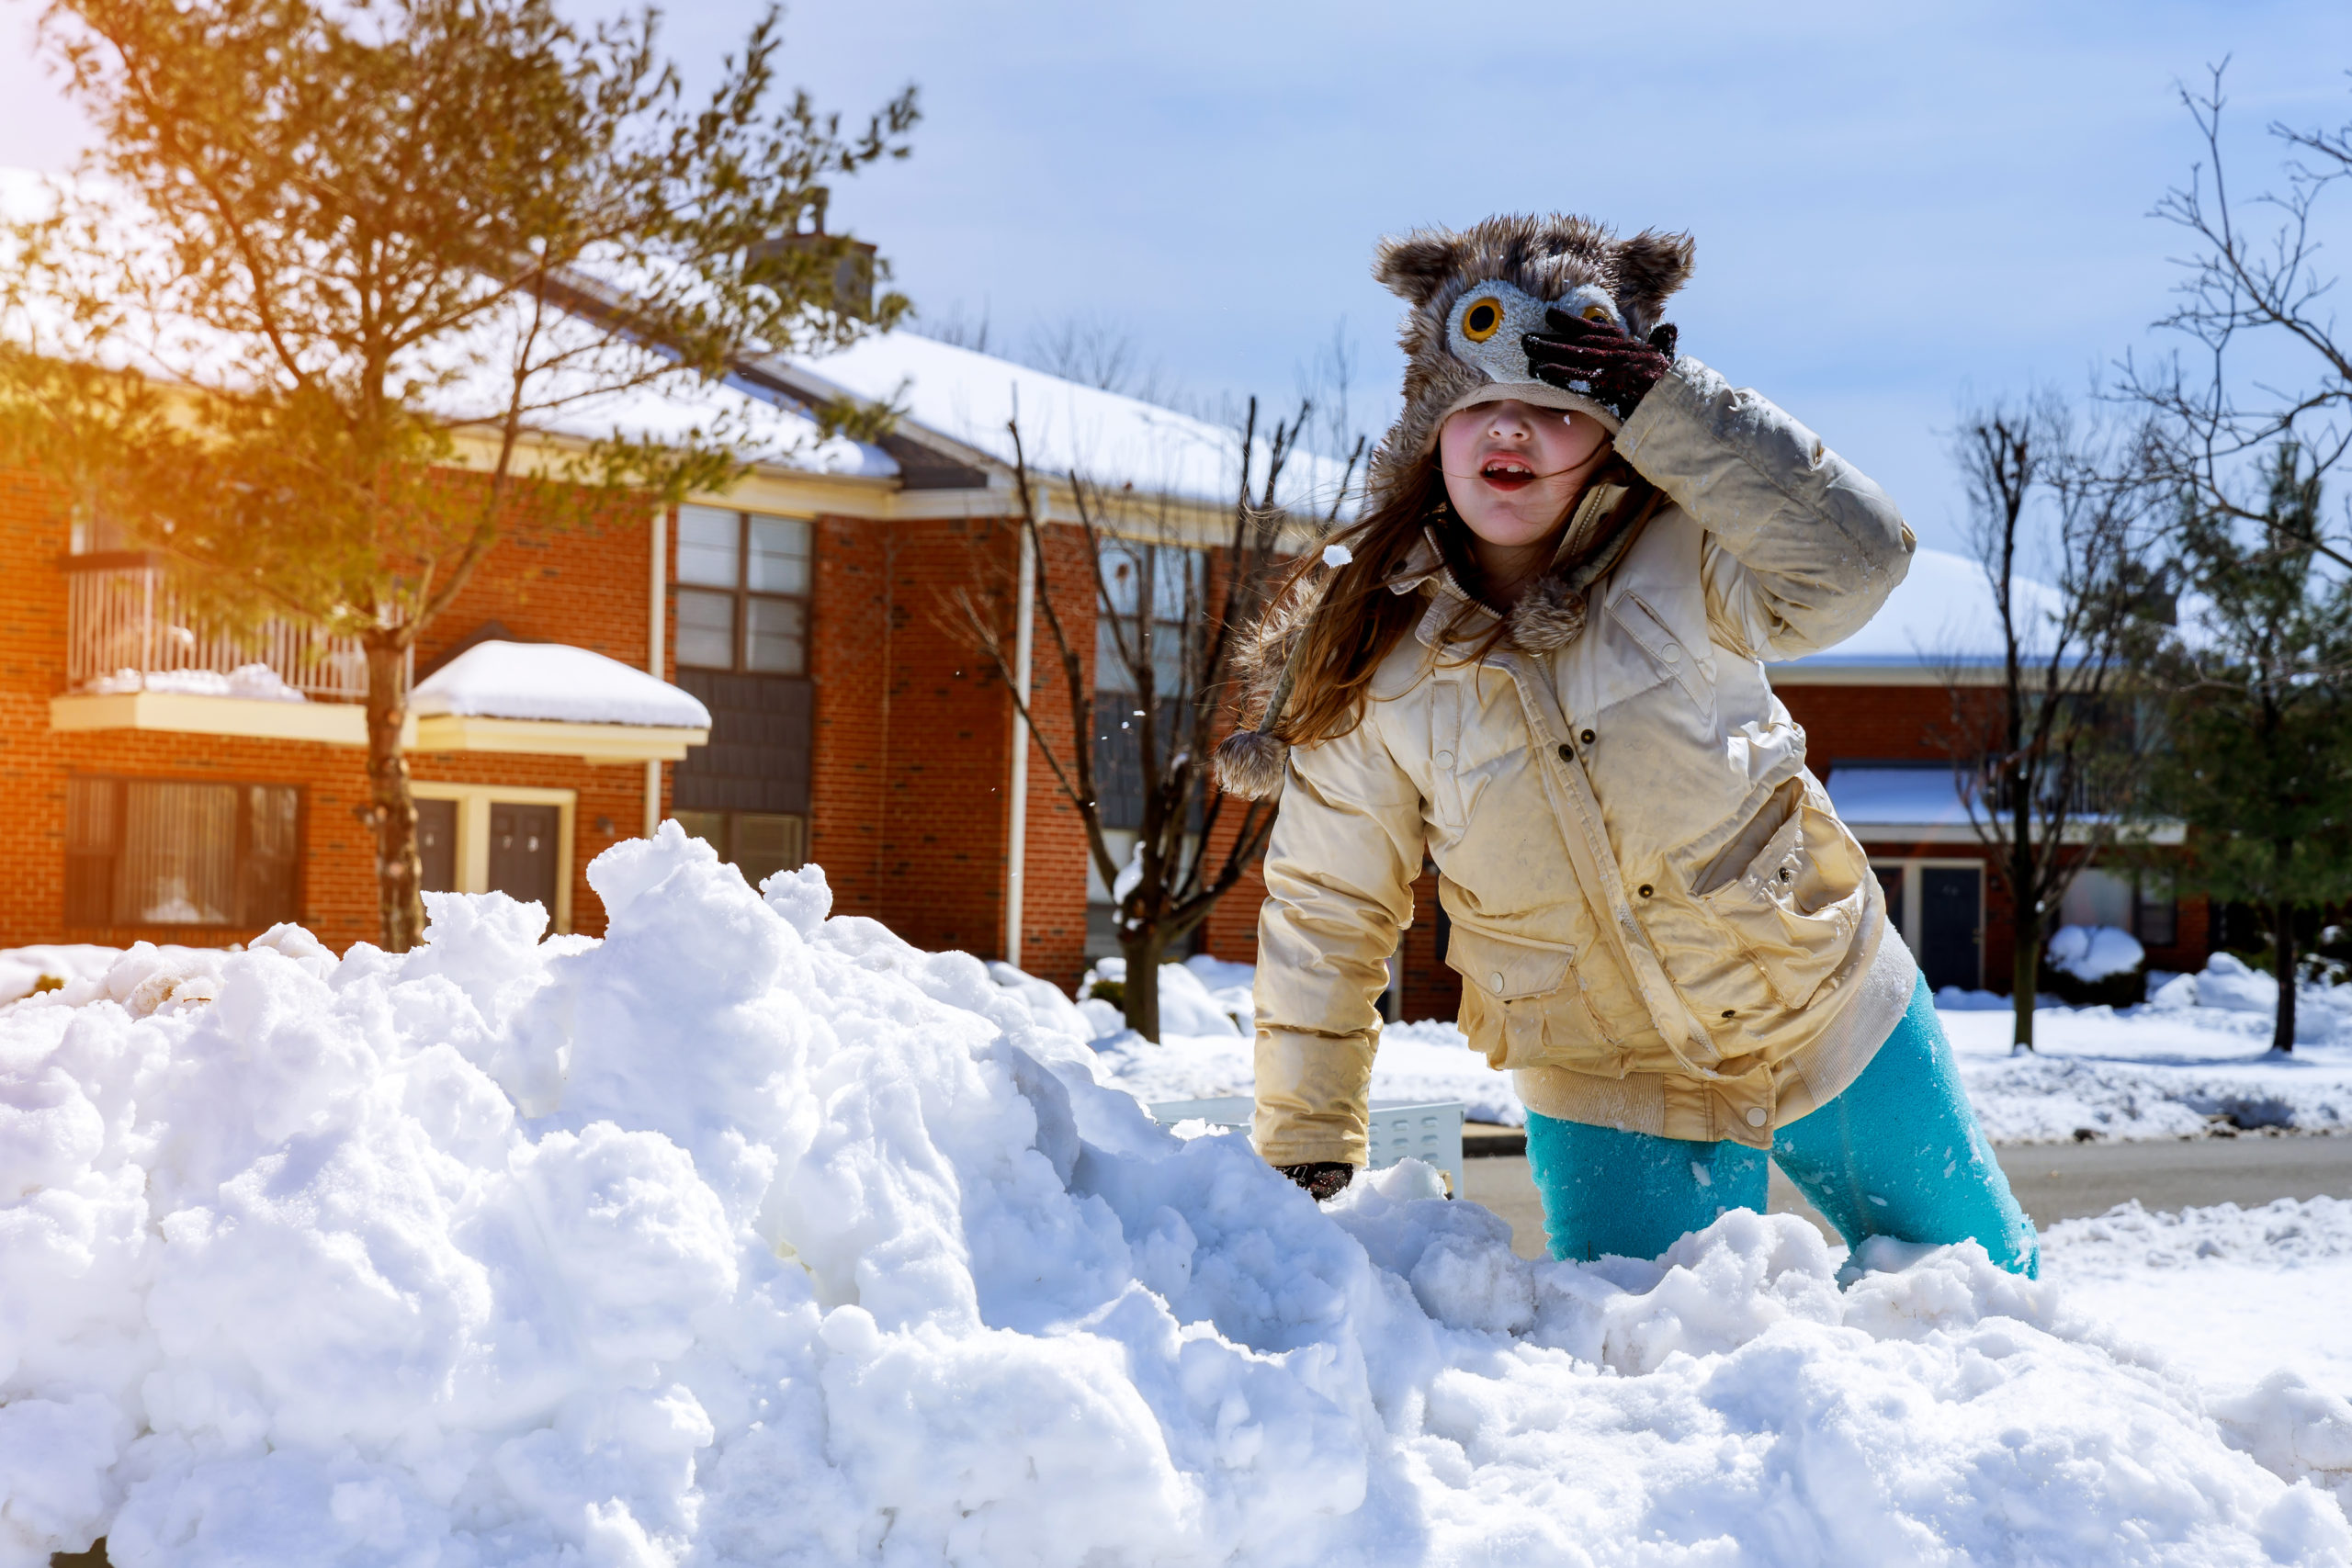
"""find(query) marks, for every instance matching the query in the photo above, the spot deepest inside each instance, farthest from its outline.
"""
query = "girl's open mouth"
(1506, 473)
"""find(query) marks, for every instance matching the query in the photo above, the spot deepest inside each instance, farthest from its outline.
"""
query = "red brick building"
(157, 786)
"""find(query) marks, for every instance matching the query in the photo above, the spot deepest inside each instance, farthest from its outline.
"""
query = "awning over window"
(1886, 803)
(539, 698)
(550, 697)
(1898, 797)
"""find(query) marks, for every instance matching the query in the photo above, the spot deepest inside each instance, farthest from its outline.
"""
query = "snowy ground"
(748, 1236)
(2197, 1056)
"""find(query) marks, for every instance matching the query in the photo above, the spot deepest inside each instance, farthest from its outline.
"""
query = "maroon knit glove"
(1596, 359)
(1323, 1179)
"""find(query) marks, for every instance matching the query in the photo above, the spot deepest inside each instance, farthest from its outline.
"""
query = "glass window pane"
(765, 845)
(706, 629)
(710, 827)
(1173, 570)
(707, 540)
(1121, 575)
(267, 892)
(178, 865)
(1111, 671)
(777, 641)
(779, 555)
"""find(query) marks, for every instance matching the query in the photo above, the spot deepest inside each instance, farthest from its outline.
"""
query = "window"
(1175, 580)
(758, 843)
(742, 590)
(169, 852)
(2155, 908)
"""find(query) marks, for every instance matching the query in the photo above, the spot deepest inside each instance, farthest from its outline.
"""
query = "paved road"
(2054, 1182)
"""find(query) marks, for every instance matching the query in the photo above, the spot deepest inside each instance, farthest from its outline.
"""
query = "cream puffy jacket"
(1659, 922)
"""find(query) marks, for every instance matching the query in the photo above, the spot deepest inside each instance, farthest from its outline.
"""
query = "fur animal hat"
(1473, 295)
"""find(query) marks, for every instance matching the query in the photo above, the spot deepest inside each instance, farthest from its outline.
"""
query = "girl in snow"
(1540, 662)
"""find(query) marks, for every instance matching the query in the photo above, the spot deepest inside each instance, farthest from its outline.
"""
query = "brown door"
(437, 844)
(522, 852)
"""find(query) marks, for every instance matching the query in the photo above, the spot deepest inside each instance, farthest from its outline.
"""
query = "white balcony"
(138, 657)
(128, 631)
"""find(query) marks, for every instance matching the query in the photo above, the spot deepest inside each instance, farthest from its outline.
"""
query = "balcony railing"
(128, 629)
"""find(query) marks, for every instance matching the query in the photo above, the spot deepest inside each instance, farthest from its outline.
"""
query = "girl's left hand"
(1598, 360)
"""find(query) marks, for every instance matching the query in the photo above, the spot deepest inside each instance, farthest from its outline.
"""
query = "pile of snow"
(23, 968)
(2095, 953)
(2191, 1057)
(554, 681)
(255, 683)
(1207, 1047)
(2249, 1301)
(1201, 997)
(751, 1236)
(2229, 984)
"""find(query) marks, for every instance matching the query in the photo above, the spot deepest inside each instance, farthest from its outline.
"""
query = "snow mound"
(255, 682)
(554, 681)
(2095, 953)
(2242, 1288)
(748, 1236)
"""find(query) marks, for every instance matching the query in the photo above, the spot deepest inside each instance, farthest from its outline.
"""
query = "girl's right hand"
(1323, 1179)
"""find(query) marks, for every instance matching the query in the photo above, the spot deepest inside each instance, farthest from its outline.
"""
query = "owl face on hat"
(1475, 296)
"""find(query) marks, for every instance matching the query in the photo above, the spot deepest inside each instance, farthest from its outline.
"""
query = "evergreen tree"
(2261, 766)
(350, 291)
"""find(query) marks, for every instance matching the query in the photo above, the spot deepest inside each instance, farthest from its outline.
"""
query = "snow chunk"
(255, 682)
(554, 681)
(2093, 953)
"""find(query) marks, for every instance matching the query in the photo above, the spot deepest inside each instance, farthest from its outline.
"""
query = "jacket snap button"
(1567, 752)
(1586, 738)
(1673, 654)
(1499, 979)
(1445, 758)
(1756, 1116)
(1644, 890)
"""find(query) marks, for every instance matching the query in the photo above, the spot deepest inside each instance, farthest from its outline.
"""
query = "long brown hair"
(1355, 621)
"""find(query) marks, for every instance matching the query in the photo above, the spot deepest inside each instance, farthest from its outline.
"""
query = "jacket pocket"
(1518, 996)
(1677, 660)
(1794, 907)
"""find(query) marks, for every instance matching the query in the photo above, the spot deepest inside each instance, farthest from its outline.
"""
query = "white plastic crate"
(1428, 1131)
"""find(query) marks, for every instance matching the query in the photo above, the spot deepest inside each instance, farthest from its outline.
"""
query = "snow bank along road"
(751, 1236)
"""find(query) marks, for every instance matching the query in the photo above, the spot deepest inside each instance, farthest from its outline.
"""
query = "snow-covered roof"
(969, 398)
(554, 681)
(667, 408)
(1896, 797)
(1940, 615)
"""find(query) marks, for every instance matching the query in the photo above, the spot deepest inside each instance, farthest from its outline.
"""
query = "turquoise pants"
(1898, 1153)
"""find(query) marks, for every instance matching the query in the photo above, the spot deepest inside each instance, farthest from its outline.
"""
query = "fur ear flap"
(1416, 265)
(1650, 267)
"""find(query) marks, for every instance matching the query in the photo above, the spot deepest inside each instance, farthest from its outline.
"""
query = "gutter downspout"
(1024, 608)
(656, 609)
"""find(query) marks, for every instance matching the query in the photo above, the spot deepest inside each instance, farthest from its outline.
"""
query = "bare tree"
(2252, 289)
(2044, 755)
(1170, 621)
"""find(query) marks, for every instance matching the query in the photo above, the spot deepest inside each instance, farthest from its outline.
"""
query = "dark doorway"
(523, 851)
(437, 844)
(1952, 926)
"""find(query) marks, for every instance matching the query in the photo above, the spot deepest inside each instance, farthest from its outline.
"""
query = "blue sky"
(1897, 207)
